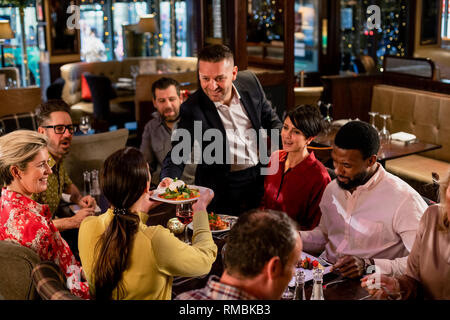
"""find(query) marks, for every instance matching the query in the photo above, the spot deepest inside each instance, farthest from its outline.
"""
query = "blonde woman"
(428, 270)
(24, 170)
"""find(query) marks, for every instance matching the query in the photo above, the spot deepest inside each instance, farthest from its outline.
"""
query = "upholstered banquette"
(114, 70)
(423, 113)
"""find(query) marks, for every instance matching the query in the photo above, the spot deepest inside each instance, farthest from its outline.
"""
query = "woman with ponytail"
(123, 258)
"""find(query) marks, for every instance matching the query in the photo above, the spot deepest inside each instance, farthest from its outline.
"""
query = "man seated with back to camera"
(262, 250)
(369, 216)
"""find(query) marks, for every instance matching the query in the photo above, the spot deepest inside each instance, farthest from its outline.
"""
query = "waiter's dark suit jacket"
(200, 108)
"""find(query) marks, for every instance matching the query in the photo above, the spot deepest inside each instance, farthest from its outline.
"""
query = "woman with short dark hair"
(297, 186)
(125, 259)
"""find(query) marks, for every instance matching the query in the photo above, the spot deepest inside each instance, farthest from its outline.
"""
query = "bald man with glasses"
(54, 121)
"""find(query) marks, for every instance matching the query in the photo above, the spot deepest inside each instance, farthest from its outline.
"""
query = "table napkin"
(403, 136)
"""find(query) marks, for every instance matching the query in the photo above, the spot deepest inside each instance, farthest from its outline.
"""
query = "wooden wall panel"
(18, 100)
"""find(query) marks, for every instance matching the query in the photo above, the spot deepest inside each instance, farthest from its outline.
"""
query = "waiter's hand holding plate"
(206, 196)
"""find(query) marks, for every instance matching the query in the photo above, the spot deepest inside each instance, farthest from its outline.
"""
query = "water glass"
(87, 183)
(134, 71)
(9, 84)
(385, 135)
(373, 115)
(288, 293)
(328, 119)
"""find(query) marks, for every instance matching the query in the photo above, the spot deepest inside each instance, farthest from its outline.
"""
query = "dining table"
(336, 287)
(161, 216)
(323, 144)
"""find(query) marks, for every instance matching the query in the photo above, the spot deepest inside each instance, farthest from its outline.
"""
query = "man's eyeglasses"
(61, 129)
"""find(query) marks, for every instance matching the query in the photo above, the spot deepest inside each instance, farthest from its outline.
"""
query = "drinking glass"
(372, 115)
(385, 136)
(87, 183)
(134, 71)
(328, 118)
(85, 124)
(185, 213)
(288, 293)
(9, 84)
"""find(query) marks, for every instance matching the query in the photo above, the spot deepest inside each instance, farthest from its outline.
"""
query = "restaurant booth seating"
(16, 265)
(88, 152)
(102, 93)
(425, 114)
(72, 72)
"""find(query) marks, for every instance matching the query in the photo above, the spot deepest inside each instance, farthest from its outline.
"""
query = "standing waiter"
(233, 103)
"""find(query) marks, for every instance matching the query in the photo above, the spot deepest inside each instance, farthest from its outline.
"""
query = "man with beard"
(155, 142)
(229, 107)
(53, 119)
(369, 216)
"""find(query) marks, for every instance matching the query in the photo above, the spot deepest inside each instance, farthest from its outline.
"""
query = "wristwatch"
(368, 262)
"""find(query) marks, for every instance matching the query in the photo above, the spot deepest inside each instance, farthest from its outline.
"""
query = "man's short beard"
(171, 119)
(358, 180)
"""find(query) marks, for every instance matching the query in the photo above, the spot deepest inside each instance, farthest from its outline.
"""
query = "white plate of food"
(177, 192)
(218, 222)
(75, 208)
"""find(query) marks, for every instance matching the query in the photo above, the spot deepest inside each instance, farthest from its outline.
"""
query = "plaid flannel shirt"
(215, 290)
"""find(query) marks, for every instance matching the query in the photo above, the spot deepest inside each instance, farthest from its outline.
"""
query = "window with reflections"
(125, 13)
(357, 39)
(13, 48)
(165, 15)
(107, 29)
(265, 32)
(445, 32)
(94, 35)
(306, 36)
(181, 47)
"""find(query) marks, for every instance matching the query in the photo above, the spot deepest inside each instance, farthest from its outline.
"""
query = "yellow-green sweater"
(156, 255)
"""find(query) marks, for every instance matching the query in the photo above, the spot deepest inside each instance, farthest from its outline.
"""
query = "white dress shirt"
(378, 220)
(239, 129)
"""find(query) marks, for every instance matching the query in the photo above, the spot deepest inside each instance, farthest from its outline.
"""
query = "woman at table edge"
(24, 170)
(297, 186)
(428, 269)
(125, 259)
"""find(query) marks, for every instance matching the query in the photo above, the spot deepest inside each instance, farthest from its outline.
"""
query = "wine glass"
(372, 115)
(185, 213)
(85, 124)
(9, 84)
(134, 71)
(288, 293)
(385, 136)
(328, 118)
